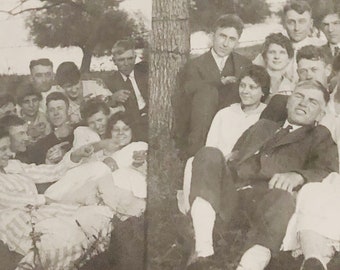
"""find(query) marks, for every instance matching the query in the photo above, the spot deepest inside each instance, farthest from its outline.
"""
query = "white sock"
(255, 258)
(203, 219)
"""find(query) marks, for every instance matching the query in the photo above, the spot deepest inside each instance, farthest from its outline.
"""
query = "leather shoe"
(200, 263)
(312, 264)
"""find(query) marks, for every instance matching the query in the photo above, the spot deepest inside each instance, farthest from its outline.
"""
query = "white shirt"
(333, 46)
(220, 61)
(229, 124)
(140, 100)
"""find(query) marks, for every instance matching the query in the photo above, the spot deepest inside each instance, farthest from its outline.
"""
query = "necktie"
(336, 51)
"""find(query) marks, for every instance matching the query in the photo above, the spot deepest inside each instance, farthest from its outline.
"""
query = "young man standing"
(209, 83)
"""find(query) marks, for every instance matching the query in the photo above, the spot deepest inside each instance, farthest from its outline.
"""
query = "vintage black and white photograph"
(169, 134)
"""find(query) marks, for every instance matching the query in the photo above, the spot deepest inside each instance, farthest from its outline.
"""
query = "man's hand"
(228, 79)
(56, 153)
(82, 152)
(286, 181)
(120, 96)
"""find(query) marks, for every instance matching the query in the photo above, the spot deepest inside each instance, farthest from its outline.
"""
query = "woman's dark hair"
(120, 116)
(260, 76)
(279, 39)
(67, 73)
(93, 106)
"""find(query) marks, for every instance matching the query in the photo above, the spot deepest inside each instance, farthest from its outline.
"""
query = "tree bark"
(168, 53)
(86, 60)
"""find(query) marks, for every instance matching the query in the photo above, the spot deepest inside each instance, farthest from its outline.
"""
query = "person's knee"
(208, 155)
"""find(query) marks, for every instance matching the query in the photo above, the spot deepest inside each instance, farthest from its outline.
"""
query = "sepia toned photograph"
(173, 135)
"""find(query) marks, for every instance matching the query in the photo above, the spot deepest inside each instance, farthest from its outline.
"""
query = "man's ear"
(321, 115)
(328, 70)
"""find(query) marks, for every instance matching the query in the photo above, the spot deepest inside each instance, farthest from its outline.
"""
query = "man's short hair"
(93, 106)
(311, 52)
(298, 6)
(67, 73)
(279, 39)
(313, 84)
(40, 62)
(6, 98)
(57, 96)
(11, 121)
(122, 46)
(26, 89)
(229, 20)
(260, 76)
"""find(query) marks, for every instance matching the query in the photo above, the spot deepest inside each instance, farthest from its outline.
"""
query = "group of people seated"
(72, 160)
(261, 139)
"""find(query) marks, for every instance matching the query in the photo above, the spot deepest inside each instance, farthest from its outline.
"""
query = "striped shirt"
(68, 235)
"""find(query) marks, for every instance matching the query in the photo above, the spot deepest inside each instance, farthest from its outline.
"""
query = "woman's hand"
(111, 163)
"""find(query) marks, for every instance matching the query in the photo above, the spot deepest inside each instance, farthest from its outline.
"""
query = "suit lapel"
(292, 137)
(257, 140)
(210, 67)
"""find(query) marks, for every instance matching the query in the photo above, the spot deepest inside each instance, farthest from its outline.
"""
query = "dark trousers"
(268, 210)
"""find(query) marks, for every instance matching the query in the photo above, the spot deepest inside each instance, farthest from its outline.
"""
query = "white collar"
(131, 75)
(217, 57)
(294, 127)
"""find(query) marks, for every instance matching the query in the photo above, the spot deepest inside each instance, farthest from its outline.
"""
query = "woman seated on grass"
(126, 159)
(230, 122)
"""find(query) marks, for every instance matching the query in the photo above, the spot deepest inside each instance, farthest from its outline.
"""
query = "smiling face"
(305, 106)
(331, 28)
(57, 112)
(5, 151)
(98, 123)
(19, 138)
(298, 26)
(225, 40)
(121, 133)
(276, 57)
(250, 92)
(73, 91)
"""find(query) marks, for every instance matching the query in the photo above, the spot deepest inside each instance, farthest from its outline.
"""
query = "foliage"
(94, 26)
(203, 13)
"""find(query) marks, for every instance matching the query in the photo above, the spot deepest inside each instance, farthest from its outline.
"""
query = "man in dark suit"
(268, 165)
(209, 83)
(331, 27)
(313, 63)
(129, 87)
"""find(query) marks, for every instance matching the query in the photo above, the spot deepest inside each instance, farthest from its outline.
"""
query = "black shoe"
(200, 263)
(312, 264)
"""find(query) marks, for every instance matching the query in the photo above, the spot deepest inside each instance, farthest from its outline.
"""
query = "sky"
(16, 50)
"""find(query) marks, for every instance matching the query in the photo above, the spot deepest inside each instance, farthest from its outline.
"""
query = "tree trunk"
(86, 61)
(169, 51)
